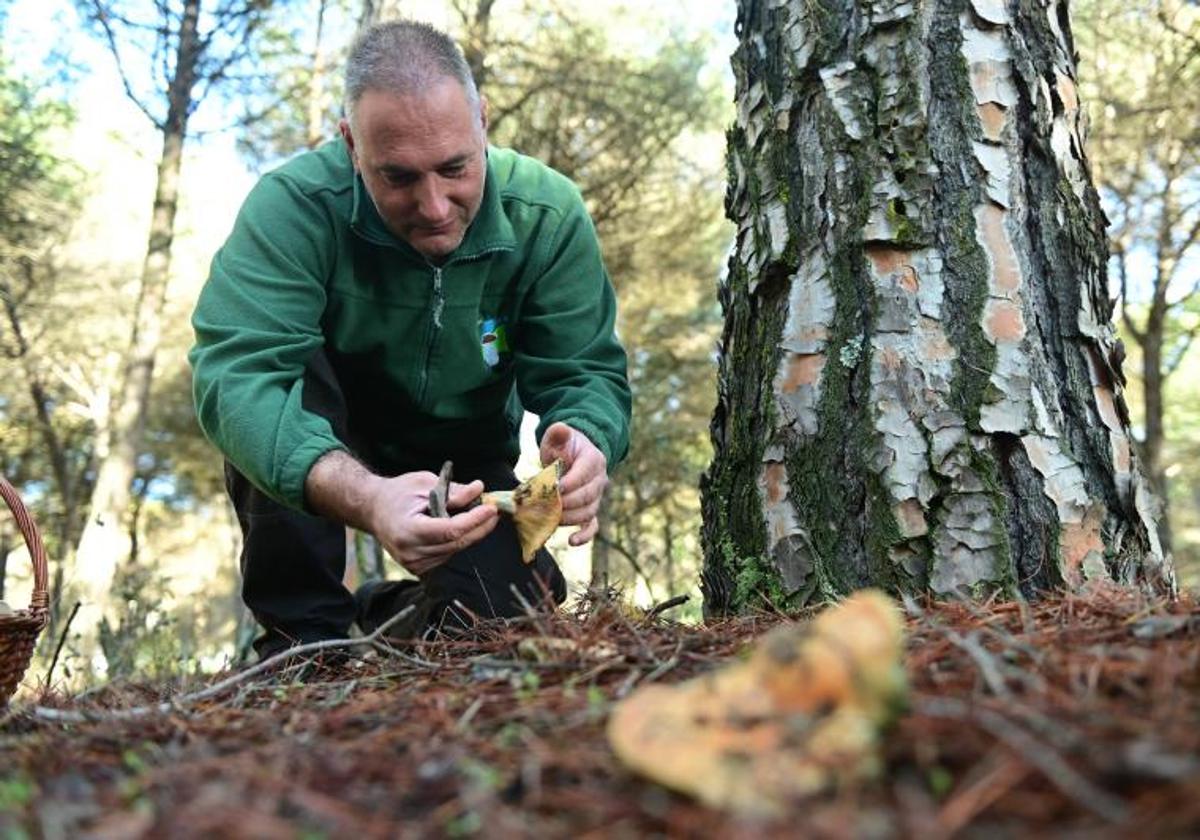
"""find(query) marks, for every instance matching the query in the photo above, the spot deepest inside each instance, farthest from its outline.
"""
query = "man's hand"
(396, 510)
(420, 542)
(584, 481)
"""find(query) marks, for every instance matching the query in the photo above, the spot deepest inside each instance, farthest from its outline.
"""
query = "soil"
(1077, 715)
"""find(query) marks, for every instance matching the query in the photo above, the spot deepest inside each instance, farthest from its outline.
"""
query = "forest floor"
(1078, 715)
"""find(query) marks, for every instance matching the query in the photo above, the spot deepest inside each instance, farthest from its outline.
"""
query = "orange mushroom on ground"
(804, 713)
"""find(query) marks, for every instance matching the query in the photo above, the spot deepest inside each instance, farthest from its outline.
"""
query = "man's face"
(422, 160)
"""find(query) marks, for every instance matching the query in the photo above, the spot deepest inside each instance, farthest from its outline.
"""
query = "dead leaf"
(545, 649)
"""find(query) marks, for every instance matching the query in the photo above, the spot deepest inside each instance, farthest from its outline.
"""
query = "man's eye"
(454, 171)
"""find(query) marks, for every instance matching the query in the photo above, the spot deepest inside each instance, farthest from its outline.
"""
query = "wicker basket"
(19, 631)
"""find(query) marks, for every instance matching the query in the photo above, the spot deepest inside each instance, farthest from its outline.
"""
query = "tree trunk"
(372, 12)
(919, 386)
(669, 552)
(476, 41)
(105, 541)
(314, 123)
(601, 573)
(1153, 380)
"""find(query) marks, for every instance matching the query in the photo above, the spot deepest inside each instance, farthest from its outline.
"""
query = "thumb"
(556, 442)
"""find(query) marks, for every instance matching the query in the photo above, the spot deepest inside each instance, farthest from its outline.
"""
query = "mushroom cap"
(802, 714)
(536, 508)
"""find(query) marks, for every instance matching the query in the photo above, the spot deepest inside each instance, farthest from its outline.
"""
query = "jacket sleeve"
(570, 367)
(257, 324)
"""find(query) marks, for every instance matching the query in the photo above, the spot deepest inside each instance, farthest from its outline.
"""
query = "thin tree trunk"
(372, 12)
(1153, 380)
(669, 552)
(919, 385)
(601, 553)
(477, 40)
(105, 537)
(317, 96)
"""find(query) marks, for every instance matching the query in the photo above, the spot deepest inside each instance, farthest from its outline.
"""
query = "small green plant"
(464, 824)
(758, 584)
(527, 685)
(481, 775)
(940, 781)
(16, 793)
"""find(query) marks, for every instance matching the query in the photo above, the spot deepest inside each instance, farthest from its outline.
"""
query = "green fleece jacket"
(434, 362)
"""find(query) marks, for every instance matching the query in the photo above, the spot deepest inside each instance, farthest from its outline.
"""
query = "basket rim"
(40, 601)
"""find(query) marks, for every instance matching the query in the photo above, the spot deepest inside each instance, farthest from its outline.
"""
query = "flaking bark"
(928, 391)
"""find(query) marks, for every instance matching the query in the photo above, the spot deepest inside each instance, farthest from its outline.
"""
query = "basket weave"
(19, 631)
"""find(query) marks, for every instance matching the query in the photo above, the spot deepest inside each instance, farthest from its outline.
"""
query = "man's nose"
(432, 203)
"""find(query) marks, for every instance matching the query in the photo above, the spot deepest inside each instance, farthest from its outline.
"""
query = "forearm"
(339, 487)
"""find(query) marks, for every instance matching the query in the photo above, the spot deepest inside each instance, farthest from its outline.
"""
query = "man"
(388, 302)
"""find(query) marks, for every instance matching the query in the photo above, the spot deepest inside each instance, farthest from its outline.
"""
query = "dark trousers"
(293, 563)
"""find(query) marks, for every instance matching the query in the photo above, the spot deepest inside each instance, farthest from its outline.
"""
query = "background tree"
(919, 385)
(170, 56)
(303, 56)
(1142, 70)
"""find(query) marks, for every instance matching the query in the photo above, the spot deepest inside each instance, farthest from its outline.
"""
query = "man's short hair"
(404, 57)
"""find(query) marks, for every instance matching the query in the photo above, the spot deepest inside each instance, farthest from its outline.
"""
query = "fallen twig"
(62, 639)
(669, 604)
(177, 703)
(983, 660)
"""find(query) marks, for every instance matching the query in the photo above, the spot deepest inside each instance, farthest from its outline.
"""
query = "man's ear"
(348, 137)
(483, 113)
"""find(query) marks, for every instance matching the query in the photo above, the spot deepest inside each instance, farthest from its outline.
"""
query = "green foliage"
(160, 632)
(604, 114)
(300, 107)
(145, 640)
(758, 584)
(526, 685)
(35, 180)
(40, 441)
(15, 793)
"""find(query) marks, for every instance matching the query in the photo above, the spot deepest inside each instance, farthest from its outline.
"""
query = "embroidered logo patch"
(493, 340)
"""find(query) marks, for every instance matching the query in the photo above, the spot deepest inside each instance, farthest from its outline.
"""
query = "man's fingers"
(585, 496)
(423, 565)
(588, 467)
(461, 495)
(436, 555)
(433, 536)
(585, 533)
(582, 505)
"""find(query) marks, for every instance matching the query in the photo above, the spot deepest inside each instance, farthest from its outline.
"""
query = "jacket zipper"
(435, 328)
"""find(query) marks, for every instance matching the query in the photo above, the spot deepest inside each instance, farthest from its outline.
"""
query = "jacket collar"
(489, 231)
